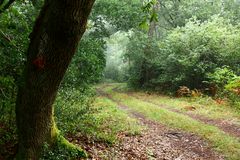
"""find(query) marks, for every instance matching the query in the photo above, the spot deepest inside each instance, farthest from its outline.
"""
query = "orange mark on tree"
(39, 62)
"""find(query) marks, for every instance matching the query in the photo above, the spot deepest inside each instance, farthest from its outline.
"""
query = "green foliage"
(87, 65)
(149, 9)
(192, 51)
(140, 55)
(173, 13)
(15, 27)
(221, 77)
(233, 84)
(185, 56)
(233, 90)
(71, 107)
(123, 15)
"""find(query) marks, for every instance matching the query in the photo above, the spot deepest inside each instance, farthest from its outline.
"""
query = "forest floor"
(173, 129)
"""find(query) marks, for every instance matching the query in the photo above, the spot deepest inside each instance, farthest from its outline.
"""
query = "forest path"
(226, 126)
(157, 141)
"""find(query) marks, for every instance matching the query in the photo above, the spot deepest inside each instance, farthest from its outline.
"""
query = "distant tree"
(53, 42)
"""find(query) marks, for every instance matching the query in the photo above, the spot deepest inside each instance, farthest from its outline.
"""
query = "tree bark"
(53, 42)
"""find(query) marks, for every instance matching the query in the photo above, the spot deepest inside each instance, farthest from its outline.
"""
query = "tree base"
(62, 149)
(59, 147)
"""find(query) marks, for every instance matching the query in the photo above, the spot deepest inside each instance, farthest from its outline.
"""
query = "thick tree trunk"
(54, 40)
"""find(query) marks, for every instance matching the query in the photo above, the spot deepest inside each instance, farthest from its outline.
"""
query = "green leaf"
(154, 17)
(144, 25)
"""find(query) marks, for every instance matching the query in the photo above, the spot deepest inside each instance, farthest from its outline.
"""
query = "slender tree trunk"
(54, 39)
(152, 33)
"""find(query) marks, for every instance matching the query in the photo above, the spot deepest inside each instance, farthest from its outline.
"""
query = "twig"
(4, 95)
(5, 36)
(9, 40)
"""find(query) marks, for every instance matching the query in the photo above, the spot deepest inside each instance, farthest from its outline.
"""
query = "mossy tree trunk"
(53, 42)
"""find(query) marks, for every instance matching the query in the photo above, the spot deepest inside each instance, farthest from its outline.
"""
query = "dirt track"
(155, 142)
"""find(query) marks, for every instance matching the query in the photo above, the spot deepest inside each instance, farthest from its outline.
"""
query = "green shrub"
(233, 89)
(221, 77)
(71, 107)
(185, 56)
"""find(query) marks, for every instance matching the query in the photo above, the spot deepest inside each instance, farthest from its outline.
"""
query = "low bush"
(233, 90)
(219, 78)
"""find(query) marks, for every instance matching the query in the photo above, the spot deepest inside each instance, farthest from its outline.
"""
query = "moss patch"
(62, 149)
